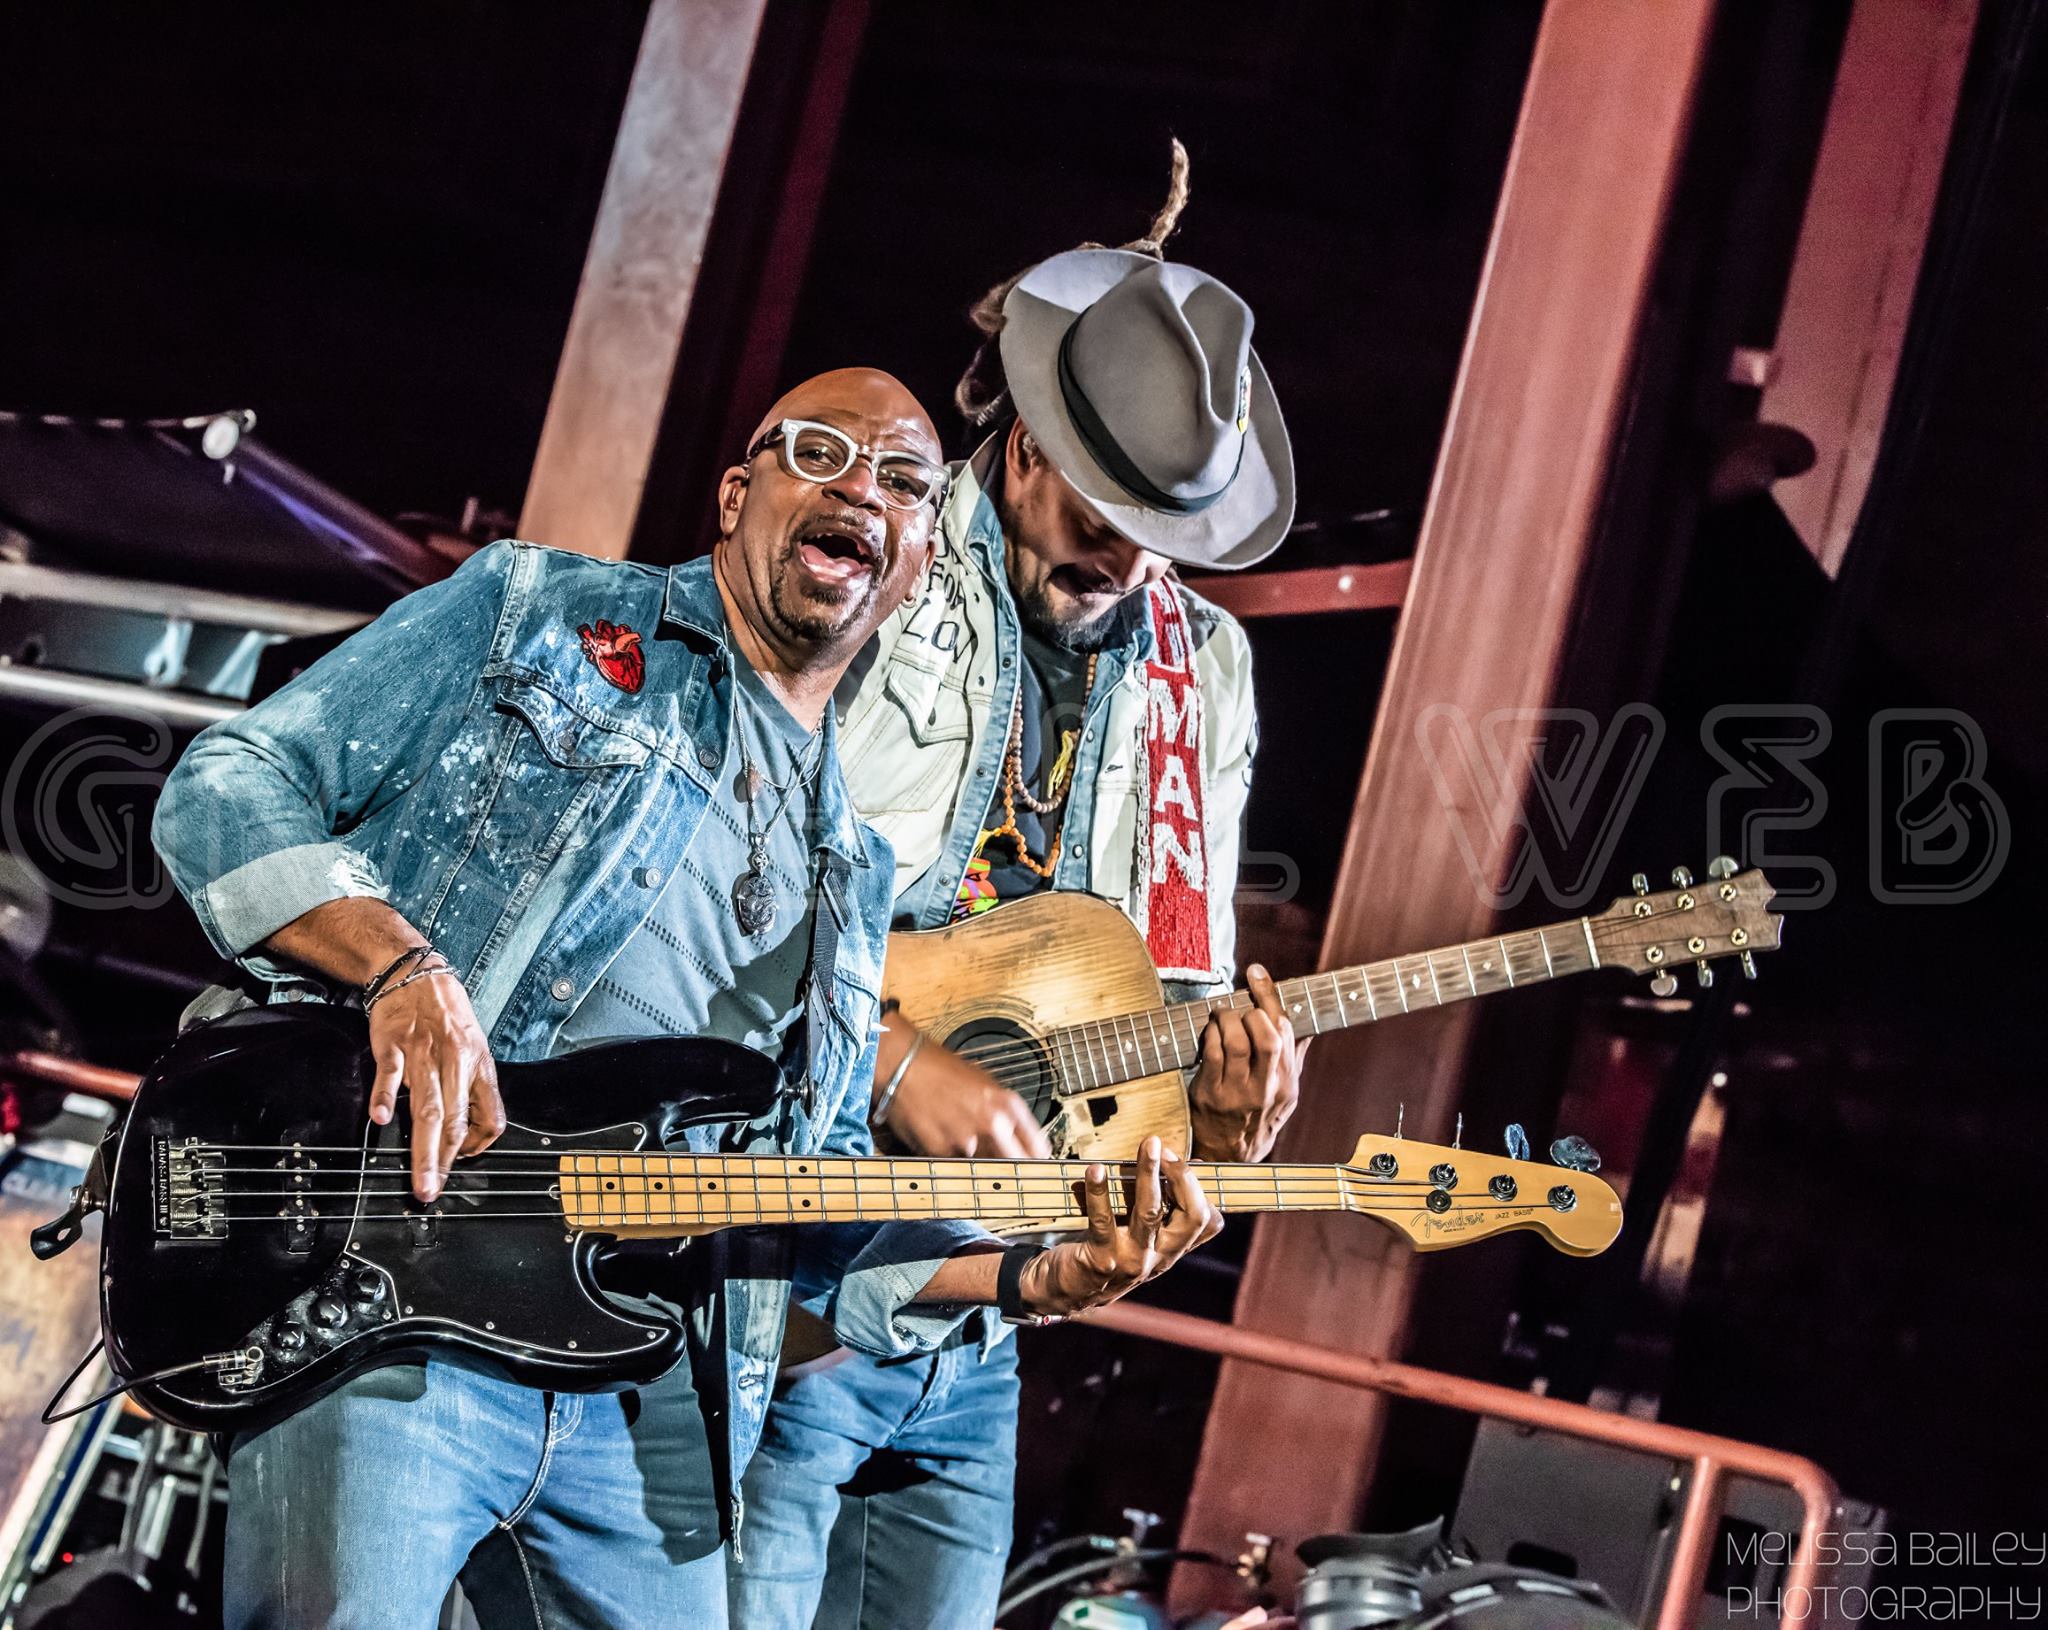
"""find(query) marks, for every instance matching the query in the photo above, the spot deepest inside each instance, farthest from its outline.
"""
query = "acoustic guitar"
(1056, 996)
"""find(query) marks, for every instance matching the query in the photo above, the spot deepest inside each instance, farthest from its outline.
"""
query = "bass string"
(724, 1218)
(769, 1187)
(1302, 1192)
(1071, 1172)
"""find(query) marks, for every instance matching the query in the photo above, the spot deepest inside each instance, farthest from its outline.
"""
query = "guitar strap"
(1173, 843)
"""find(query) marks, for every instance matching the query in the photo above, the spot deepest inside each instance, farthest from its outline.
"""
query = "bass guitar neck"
(1432, 1195)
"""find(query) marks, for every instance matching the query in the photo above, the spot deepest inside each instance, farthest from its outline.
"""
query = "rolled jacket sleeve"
(250, 822)
(864, 1278)
(260, 896)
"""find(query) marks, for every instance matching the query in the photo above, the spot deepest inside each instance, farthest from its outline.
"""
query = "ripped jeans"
(559, 1511)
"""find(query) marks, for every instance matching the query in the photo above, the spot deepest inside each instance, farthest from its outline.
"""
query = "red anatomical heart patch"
(615, 649)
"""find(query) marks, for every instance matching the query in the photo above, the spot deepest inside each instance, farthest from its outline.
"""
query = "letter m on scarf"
(1175, 840)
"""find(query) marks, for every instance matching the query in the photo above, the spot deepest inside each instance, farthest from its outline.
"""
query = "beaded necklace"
(1057, 785)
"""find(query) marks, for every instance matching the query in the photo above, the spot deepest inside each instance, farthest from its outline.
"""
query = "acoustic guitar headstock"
(1725, 915)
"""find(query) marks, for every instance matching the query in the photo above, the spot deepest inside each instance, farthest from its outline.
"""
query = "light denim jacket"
(924, 719)
(463, 759)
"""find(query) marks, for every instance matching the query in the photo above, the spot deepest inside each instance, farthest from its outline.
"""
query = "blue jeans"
(560, 1511)
(919, 1540)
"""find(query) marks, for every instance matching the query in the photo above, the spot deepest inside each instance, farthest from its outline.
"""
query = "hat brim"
(1242, 527)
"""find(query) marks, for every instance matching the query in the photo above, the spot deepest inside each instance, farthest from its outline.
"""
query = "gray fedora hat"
(1137, 378)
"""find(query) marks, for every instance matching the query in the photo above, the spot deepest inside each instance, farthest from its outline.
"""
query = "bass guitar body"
(262, 1239)
(998, 988)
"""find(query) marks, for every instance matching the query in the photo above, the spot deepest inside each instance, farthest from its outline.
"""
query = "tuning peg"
(1575, 1152)
(1639, 883)
(1458, 1136)
(1721, 867)
(1680, 878)
(1400, 1115)
(1705, 972)
(1748, 966)
(1517, 1141)
(1665, 984)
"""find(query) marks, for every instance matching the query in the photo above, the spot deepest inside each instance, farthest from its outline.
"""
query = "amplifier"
(1592, 1511)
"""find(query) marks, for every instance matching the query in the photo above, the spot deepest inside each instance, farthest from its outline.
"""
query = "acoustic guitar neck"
(1723, 915)
(1103, 1052)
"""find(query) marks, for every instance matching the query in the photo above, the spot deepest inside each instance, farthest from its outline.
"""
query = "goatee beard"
(1080, 635)
(807, 618)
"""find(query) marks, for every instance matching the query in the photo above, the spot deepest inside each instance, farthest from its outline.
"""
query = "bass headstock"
(1726, 914)
(1440, 1197)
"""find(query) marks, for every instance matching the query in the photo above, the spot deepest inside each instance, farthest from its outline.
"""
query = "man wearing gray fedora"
(1053, 710)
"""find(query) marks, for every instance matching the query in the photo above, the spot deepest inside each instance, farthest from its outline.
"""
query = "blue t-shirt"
(691, 970)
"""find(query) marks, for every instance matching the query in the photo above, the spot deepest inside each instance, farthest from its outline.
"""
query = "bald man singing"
(554, 802)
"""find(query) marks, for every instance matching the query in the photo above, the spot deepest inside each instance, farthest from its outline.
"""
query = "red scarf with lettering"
(1173, 843)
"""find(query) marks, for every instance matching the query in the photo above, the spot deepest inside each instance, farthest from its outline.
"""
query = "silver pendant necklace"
(754, 903)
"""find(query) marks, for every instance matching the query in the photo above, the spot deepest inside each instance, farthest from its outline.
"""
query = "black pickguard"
(309, 1300)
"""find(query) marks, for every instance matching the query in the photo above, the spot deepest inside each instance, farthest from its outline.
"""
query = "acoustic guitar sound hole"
(1014, 1057)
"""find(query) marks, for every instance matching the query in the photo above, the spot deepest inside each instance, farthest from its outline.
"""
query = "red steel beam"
(1850, 294)
(646, 251)
(1713, 1459)
(94, 1080)
(1505, 545)
(1312, 590)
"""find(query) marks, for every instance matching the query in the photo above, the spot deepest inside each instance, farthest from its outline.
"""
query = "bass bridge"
(191, 1190)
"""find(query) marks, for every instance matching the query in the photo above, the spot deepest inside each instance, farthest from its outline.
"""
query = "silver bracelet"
(880, 1112)
(419, 973)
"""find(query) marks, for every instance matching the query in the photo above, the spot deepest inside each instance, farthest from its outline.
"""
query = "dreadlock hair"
(983, 394)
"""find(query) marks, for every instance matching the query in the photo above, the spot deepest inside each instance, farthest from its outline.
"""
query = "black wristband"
(375, 987)
(1010, 1284)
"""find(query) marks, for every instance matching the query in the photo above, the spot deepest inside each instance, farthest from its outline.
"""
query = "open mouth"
(1084, 583)
(838, 555)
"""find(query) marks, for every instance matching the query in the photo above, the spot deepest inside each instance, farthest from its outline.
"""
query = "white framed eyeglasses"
(821, 452)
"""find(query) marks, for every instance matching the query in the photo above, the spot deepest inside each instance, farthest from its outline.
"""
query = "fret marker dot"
(807, 1205)
(711, 1182)
(1415, 981)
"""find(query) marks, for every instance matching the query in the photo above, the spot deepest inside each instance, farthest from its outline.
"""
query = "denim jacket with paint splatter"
(465, 760)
